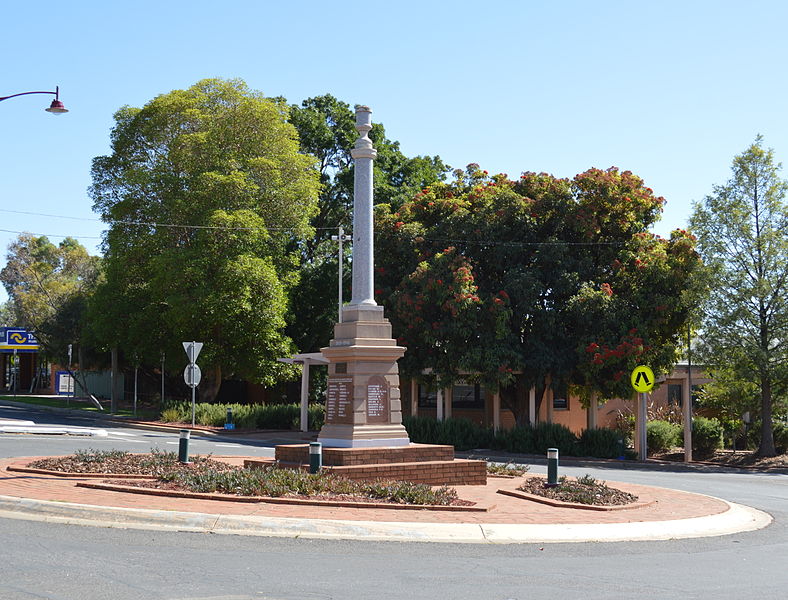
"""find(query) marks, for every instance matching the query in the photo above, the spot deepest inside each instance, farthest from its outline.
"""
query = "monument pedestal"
(363, 406)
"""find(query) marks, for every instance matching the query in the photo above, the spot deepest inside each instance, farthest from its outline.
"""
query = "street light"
(56, 108)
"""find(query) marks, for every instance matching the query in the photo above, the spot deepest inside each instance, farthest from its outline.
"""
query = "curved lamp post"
(56, 108)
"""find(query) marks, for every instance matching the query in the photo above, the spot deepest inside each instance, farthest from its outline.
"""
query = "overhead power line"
(149, 223)
(54, 235)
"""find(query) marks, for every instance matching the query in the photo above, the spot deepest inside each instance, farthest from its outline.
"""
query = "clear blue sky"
(671, 90)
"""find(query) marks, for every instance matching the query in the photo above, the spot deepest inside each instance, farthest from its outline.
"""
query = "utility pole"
(341, 238)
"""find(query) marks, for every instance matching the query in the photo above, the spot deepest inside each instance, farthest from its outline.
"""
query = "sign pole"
(70, 375)
(15, 371)
(643, 428)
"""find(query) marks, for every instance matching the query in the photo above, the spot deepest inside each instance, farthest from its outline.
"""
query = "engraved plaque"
(339, 400)
(377, 400)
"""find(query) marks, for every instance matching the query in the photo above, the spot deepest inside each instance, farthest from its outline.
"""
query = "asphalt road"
(44, 560)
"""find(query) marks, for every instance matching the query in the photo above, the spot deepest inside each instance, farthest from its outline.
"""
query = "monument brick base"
(418, 463)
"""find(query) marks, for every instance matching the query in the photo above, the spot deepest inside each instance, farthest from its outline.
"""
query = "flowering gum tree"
(543, 281)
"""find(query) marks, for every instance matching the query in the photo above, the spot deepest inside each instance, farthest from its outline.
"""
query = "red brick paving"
(667, 504)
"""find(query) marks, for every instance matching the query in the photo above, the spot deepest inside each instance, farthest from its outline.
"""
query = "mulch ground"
(732, 458)
(596, 493)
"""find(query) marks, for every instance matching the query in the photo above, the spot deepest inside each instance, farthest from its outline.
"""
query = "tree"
(48, 288)
(742, 230)
(7, 315)
(326, 129)
(205, 194)
(536, 282)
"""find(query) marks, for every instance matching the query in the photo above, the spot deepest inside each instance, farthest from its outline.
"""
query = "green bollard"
(315, 457)
(552, 467)
(183, 447)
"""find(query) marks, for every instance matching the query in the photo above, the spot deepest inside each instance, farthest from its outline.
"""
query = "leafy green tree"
(742, 230)
(535, 282)
(326, 128)
(48, 288)
(205, 193)
(7, 315)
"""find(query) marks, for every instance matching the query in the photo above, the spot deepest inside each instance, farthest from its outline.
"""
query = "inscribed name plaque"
(339, 400)
(377, 400)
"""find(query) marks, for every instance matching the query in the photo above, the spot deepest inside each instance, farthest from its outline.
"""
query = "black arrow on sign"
(644, 376)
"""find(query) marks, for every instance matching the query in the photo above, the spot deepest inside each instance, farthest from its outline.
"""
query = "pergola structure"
(306, 360)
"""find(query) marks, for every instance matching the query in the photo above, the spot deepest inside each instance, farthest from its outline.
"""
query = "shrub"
(421, 430)
(779, 431)
(245, 416)
(706, 436)
(171, 415)
(317, 416)
(463, 434)
(625, 424)
(780, 437)
(509, 469)
(661, 436)
(287, 482)
(460, 433)
(519, 440)
(554, 435)
(602, 443)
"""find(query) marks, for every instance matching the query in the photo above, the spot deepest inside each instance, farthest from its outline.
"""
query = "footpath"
(660, 513)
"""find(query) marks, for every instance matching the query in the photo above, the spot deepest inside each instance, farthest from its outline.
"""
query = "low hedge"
(245, 416)
(466, 435)
(603, 443)
(460, 433)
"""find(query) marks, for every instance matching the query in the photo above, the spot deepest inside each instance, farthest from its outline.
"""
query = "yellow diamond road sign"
(642, 379)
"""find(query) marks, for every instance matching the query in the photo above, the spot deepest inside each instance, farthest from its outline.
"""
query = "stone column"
(593, 408)
(363, 407)
(363, 244)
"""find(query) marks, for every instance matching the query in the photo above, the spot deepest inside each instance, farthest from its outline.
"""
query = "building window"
(675, 394)
(466, 395)
(427, 398)
(560, 398)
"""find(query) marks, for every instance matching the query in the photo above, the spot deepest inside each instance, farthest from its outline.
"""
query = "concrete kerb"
(736, 519)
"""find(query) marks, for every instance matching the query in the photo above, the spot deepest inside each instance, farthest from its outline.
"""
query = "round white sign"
(192, 375)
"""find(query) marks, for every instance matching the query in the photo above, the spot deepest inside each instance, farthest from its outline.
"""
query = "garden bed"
(584, 493)
(160, 473)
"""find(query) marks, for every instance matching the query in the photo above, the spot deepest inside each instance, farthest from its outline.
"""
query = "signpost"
(642, 380)
(192, 374)
(70, 350)
(15, 371)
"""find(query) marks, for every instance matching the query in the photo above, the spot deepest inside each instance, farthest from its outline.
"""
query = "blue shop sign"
(16, 338)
